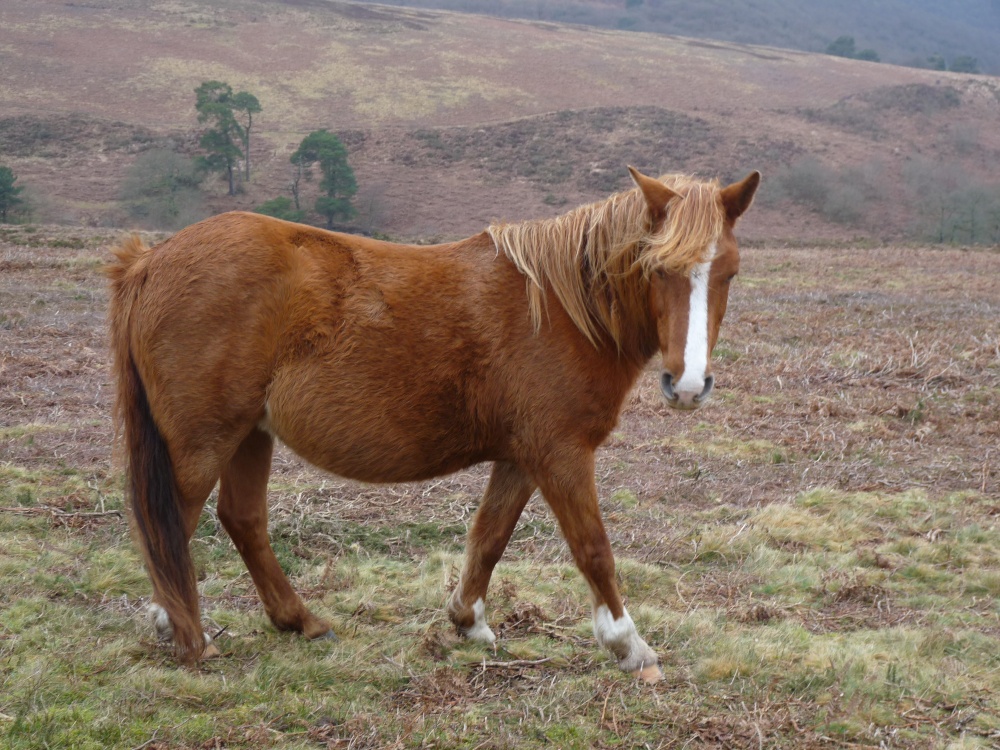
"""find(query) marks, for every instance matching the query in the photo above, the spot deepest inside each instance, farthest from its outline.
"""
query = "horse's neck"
(639, 340)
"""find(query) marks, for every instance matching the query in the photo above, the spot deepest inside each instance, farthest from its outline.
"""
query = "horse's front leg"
(506, 495)
(568, 487)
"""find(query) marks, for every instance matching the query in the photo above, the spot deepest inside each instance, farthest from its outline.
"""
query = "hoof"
(211, 651)
(329, 635)
(311, 627)
(479, 631)
(649, 674)
(161, 622)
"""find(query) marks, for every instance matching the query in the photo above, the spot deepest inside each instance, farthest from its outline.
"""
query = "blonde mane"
(598, 258)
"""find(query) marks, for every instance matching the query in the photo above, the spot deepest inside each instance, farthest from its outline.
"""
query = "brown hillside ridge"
(452, 120)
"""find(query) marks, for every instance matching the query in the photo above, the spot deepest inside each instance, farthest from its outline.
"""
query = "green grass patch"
(713, 442)
(851, 617)
(61, 488)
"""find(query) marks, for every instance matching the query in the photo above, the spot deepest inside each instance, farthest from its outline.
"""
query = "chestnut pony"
(391, 363)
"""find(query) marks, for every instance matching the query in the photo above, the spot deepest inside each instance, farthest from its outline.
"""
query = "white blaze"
(696, 345)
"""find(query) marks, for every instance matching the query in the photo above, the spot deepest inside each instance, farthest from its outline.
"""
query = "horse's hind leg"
(506, 495)
(193, 489)
(243, 512)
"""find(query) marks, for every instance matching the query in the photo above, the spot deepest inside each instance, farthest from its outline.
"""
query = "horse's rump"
(375, 361)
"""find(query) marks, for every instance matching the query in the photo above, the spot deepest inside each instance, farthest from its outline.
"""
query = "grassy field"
(816, 557)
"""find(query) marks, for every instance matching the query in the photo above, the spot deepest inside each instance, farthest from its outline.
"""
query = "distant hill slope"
(903, 32)
(454, 120)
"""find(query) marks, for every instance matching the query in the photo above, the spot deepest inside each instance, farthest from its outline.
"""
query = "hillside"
(454, 120)
(903, 32)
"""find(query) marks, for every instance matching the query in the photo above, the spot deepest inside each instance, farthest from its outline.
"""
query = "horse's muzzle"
(685, 400)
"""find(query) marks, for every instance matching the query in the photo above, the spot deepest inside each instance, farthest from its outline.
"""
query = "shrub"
(805, 181)
(950, 205)
(842, 46)
(839, 195)
(965, 64)
(10, 194)
(162, 190)
(281, 208)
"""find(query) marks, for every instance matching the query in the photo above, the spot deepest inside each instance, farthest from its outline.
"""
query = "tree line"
(163, 187)
(915, 34)
(845, 46)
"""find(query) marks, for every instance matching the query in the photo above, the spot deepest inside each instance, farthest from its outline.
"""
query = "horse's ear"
(736, 198)
(657, 194)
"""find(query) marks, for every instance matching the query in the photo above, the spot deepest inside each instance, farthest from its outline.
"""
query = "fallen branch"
(48, 510)
(148, 742)
(513, 663)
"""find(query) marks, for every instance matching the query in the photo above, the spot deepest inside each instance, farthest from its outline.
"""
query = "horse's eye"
(660, 273)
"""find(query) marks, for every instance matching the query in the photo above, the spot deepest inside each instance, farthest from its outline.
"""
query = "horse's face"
(688, 309)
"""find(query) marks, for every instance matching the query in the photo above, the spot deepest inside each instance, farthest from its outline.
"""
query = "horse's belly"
(380, 458)
(357, 439)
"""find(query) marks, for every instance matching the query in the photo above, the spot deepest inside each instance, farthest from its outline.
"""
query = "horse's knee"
(239, 524)
(230, 522)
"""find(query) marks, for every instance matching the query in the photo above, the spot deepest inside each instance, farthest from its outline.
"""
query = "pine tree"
(10, 198)
(338, 183)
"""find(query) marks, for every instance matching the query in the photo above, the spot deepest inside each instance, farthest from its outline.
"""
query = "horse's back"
(355, 352)
(372, 360)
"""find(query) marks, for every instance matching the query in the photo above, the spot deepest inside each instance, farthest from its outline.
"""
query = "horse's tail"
(151, 486)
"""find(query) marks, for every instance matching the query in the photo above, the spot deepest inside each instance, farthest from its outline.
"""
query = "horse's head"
(688, 305)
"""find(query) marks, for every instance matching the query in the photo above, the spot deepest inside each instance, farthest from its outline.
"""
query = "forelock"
(694, 221)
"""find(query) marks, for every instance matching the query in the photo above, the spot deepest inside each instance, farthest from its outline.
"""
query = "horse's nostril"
(709, 382)
(667, 386)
